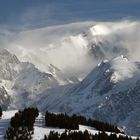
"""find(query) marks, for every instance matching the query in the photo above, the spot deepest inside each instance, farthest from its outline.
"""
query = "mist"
(67, 46)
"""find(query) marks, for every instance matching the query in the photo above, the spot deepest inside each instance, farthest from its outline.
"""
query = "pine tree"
(0, 112)
(22, 125)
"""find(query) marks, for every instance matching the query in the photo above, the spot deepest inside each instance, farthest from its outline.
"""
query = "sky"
(38, 13)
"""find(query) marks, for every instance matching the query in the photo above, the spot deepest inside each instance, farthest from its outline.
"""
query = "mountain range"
(108, 91)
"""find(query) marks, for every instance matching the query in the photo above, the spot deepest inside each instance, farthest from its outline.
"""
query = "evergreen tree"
(78, 135)
(22, 125)
(20, 133)
(0, 112)
(72, 122)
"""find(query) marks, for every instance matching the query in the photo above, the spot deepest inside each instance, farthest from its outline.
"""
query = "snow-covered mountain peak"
(123, 69)
(6, 56)
(7, 63)
(53, 69)
(120, 69)
(60, 76)
(99, 30)
(4, 52)
(23, 81)
(111, 76)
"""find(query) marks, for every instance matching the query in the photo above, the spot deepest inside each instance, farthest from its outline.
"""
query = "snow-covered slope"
(7, 74)
(39, 127)
(109, 93)
(21, 82)
(5, 122)
(29, 83)
(7, 63)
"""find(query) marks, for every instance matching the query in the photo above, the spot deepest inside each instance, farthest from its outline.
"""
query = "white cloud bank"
(67, 46)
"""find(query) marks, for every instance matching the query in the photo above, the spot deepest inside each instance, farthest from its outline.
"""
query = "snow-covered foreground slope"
(39, 127)
(5, 122)
(40, 130)
(109, 93)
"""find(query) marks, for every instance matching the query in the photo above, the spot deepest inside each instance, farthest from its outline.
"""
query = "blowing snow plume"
(77, 48)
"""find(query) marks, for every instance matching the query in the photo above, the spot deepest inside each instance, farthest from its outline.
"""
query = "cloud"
(58, 45)
(67, 46)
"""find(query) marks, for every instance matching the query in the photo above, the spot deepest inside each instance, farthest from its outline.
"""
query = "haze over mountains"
(89, 42)
(81, 59)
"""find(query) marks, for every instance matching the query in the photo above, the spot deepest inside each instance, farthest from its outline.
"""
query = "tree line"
(79, 135)
(72, 122)
(0, 112)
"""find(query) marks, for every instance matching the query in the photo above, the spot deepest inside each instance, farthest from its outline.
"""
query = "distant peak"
(5, 52)
(54, 67)
(8, 56)
(99, 30)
